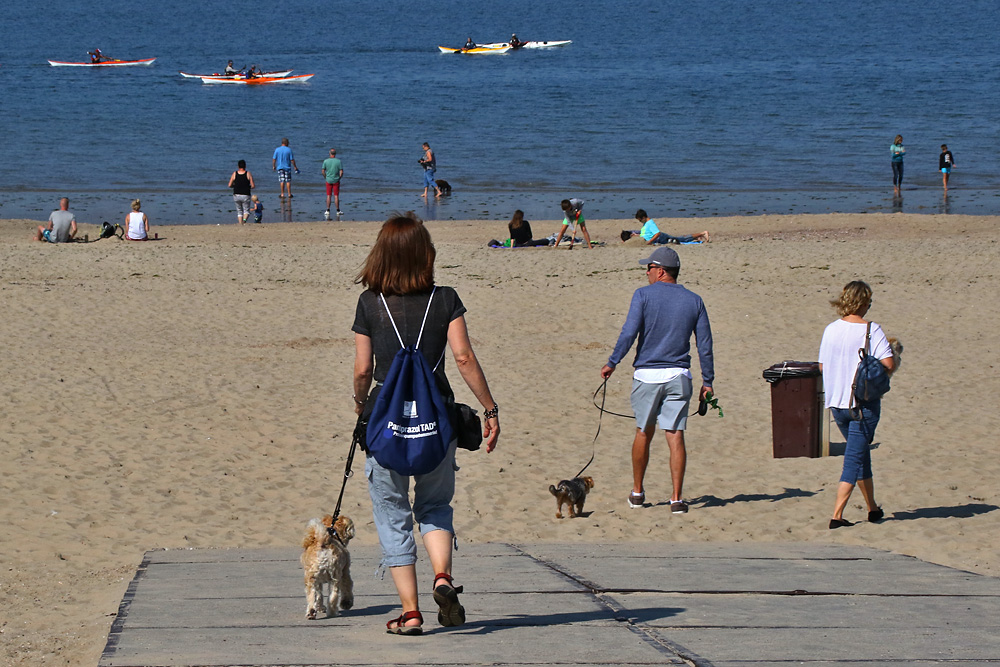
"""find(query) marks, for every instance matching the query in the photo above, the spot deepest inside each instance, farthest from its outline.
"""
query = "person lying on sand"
(652, 235)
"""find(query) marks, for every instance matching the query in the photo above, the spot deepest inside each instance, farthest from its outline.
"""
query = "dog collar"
(334, 535)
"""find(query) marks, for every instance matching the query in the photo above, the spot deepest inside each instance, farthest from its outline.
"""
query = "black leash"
(603, 390)
(359, 433)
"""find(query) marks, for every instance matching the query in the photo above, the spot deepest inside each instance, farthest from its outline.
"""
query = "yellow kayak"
(482, 50)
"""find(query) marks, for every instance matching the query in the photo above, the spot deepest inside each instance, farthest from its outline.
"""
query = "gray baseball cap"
(662, 256)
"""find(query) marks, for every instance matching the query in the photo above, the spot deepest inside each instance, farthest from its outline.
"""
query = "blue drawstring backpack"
(871, 380)
(409, 431)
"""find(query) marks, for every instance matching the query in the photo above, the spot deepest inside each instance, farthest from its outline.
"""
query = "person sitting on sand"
(136, 223)
(520, 232)
(61, 227)
(652, 235)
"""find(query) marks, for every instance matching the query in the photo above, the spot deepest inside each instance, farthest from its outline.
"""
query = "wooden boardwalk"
(729, 605)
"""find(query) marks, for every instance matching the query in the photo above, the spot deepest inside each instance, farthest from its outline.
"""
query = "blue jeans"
(663, 238)
(859, 435)
(429, 179)
(432, 494)
(897, 173)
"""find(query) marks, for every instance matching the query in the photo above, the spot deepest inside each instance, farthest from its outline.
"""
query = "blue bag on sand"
(409, 430)
(871, 380)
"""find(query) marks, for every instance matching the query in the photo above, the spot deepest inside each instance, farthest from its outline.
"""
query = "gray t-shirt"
(62, 222)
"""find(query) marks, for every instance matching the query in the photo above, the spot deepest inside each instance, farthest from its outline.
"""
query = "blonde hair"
(855, 297)
(254, 198)
(898, 139)
(136, 204)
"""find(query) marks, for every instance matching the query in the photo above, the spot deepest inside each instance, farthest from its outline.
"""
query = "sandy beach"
(195, 392)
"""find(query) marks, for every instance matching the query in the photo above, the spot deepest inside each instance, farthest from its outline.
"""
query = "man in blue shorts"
(283, 161)
(663, 315)
(61, 227)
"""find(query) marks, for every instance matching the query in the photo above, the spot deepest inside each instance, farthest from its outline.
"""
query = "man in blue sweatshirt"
(663, 315)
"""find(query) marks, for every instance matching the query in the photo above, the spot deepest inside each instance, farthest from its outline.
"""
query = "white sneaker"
(326, 214)
(339, 212)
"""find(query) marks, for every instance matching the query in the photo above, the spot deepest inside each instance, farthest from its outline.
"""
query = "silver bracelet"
(355, 397)
(492, 412)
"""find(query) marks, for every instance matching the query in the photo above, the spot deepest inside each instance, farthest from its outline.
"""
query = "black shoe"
(839, 523)
(876, 515)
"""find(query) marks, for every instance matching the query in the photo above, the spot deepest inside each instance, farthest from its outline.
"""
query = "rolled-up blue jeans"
(429, 181)
(859, 435)
(394, 515)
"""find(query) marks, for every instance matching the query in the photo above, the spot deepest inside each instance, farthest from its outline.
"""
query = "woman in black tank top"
(241, 182)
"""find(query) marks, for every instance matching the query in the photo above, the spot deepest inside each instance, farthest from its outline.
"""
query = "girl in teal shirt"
(897, 152)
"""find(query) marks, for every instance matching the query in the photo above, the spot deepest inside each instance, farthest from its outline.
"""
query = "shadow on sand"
(952, 512)
(714, 501)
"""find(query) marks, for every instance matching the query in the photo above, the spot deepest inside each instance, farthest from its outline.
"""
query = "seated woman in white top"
(136, 223)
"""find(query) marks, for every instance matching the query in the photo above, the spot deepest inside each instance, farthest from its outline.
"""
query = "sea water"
(682, 108)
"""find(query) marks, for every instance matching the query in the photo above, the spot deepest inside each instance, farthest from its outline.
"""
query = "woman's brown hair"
(517, 220)
(857, 295)
(402, 259)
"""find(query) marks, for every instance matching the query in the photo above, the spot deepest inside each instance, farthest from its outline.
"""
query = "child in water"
(945, 162)
(258, 209)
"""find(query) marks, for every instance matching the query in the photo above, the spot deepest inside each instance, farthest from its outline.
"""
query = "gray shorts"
(394, 515)
(242, 205)
(667, 403)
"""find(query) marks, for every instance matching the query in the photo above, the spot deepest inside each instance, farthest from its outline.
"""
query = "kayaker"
(515, 43)
(230, 70)
(96, 56)
(469, 44)
(252, 74)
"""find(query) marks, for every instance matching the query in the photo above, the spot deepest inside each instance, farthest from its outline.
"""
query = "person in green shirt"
(333, 171)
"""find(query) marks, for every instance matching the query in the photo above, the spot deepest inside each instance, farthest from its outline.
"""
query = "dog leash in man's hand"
(360, 429)
(603, 391)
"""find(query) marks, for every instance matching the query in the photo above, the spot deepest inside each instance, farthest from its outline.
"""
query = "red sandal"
(450, 611)
(397, 626)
